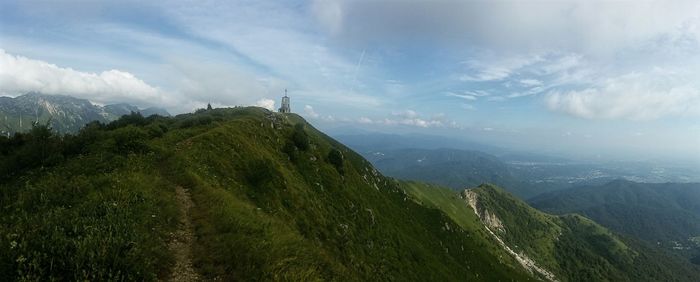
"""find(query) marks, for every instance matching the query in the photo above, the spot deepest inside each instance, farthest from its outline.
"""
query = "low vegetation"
(274, 199)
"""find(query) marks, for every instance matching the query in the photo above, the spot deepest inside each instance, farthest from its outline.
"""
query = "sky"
(593, 78)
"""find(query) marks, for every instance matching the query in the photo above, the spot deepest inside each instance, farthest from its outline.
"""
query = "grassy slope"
(573, 247)
(316, 222)
(268, 206)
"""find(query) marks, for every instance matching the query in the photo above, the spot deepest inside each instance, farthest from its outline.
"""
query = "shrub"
(134, 118)
(300, 138)
(291, 150)
(259, 172)
(130, 140)
(335, 157)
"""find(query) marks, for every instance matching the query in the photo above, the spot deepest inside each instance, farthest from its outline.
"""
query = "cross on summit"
(285, 104)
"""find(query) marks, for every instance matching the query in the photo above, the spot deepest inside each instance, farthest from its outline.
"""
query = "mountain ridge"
(66, 114)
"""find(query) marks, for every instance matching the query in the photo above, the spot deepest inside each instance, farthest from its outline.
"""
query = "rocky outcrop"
(492, 222)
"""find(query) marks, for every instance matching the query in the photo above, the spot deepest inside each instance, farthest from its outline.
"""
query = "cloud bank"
(579, 25)
(19, 75)
(635, 96)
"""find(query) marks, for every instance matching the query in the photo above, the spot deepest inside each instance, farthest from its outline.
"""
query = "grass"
(275, 199)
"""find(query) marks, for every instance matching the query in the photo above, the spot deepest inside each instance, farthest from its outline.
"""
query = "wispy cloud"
(496, 69)
(463, 96)
(530, 82)
(410, 118)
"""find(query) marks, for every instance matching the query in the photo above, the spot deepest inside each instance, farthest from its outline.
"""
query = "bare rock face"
(493, 223)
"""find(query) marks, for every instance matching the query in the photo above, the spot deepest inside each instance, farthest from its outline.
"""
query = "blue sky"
(589, 78)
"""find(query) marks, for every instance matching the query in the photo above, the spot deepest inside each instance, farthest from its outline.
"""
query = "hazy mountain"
(66, 114)
(456, 169)
(445, 161)
(665, 214)
(373, 141)
(248, 194)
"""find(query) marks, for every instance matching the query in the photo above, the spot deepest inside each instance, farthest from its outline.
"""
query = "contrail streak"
(357, 68)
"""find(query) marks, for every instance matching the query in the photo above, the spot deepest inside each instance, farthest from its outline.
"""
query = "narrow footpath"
(181, 241)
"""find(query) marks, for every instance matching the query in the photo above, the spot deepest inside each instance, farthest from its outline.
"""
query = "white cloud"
(309, 110)
(266, 103)
(407, 114)
(634, 96)
(19, 75)
(311, 113)
(410, 118)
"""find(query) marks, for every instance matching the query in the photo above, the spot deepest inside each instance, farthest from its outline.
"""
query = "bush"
(335, 157)
(291, 150)
(156, 129)
(196, 120)
(300, 138)
(258, 172)
(130, 140)
(37, 148)
(135, 118)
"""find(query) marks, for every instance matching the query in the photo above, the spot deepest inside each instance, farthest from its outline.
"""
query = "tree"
(209, 107)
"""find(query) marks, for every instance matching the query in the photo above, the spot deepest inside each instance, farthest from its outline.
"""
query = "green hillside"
(571, 247)
(663, 214)
(267, 197)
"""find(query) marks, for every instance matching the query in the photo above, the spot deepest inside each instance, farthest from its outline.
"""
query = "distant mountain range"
(66, 114)
(459, 164)
(459, 169)
(452, 168)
